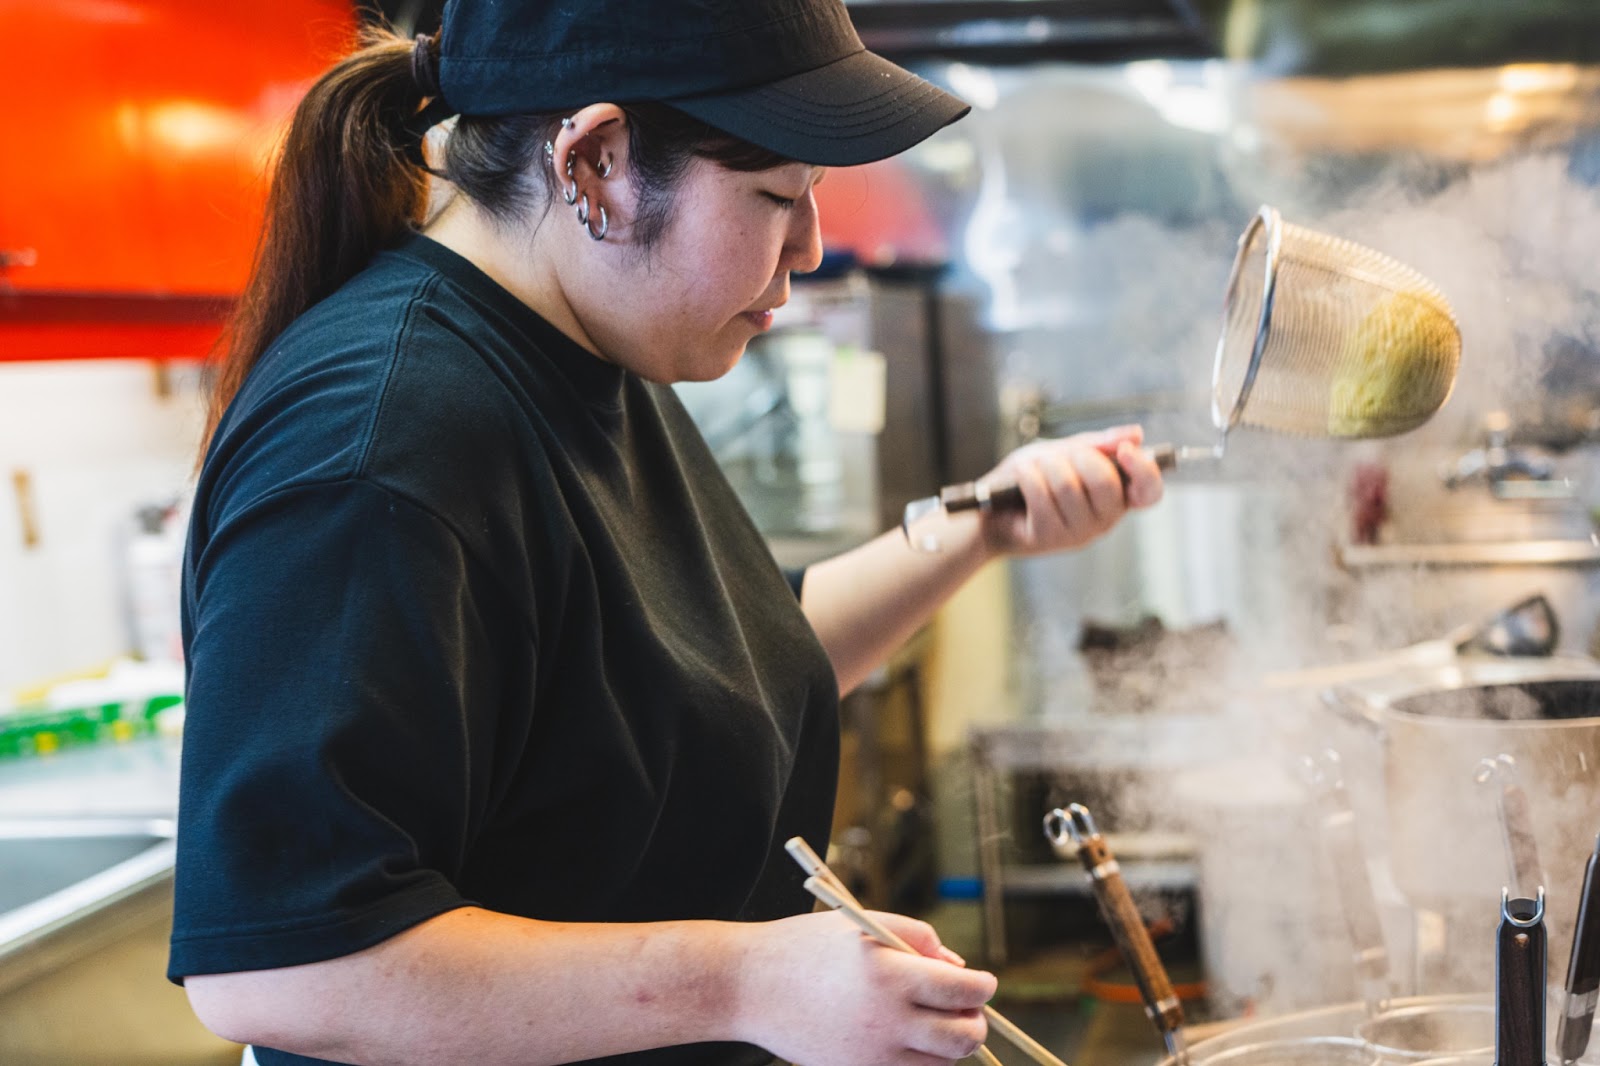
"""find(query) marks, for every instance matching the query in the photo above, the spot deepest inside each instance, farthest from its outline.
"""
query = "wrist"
(744, 964)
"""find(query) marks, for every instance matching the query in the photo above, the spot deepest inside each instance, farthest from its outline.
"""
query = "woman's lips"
(762, 320)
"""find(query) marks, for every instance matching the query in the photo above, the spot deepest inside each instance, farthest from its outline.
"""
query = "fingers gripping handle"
(1007, 496)
(826, 887)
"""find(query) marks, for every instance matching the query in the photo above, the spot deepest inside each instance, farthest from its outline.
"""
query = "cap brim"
(854, 110)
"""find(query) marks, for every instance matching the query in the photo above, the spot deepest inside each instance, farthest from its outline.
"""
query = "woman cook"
(499, 710)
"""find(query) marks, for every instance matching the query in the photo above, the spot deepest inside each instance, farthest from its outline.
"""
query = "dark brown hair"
(345, 187)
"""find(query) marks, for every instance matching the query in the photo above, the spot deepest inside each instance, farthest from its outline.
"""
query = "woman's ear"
(590, 156)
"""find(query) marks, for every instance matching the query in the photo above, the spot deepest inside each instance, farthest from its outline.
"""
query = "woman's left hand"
(1077, 488)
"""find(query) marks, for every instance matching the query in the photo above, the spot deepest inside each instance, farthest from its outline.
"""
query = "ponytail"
(343, 189)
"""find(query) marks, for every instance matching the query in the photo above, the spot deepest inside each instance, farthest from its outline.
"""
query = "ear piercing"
(583, 219)
(569, 193)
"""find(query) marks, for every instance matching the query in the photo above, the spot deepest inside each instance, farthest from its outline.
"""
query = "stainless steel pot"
(1327, 1033)
(1326, 1036)
(1444, 839)
(1423, 1031)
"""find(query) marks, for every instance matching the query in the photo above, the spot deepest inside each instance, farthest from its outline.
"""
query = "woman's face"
(686, 310)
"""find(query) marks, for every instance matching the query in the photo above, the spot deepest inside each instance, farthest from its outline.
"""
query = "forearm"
(865, 603)
(475, 986)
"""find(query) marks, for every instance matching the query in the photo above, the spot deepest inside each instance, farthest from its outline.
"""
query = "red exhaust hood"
(133, 164)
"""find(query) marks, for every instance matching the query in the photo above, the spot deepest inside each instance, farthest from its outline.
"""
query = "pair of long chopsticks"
(822, 883)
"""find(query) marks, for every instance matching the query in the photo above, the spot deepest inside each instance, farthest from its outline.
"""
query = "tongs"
(1161, 1002)
(1516, 823)
(825, 885)
(1325, 777)
(1520, 973)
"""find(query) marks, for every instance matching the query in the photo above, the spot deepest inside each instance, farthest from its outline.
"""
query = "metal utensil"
(1324, 774)
(1516, 823)
(1419, 1031)
(1304, 1051)
(1321, 337)
(1526, 629)
(1520, 972)
(1583, 971)
(924, 520)
(1161, 1003)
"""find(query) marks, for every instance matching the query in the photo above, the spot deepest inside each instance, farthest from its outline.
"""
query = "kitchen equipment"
(822, 883)
(1127, 927)
(1516, 824)
(85, 920)
(1432, 728)
(1527, 628)
(924, 520)
(1307, 1051)
(1423, 1031)
(1324, 775)
(1321, 337)
(1336, 1023)
(1582, 986)
(1520, 969)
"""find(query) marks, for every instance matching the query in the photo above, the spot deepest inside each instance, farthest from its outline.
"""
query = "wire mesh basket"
(1325, 337)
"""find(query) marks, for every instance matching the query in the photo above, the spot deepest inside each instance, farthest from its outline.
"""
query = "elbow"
(212, 998)
(251, 1008)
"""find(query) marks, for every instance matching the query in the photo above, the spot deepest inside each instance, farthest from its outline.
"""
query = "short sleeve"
(341, 703)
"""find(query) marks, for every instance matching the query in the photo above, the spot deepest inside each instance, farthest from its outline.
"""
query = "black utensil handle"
(1165, 455)
(1520, 968)
(1583, 971)
(972, 496)
(1007, 496)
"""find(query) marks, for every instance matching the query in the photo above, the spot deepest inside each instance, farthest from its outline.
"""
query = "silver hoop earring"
(569, 193)
(605, 224)
(605, 169)
(583, 211)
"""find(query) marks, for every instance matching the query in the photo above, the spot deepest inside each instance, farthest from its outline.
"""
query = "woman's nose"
(803, 250)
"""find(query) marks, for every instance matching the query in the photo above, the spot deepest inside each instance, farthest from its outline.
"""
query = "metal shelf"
(1069, 879)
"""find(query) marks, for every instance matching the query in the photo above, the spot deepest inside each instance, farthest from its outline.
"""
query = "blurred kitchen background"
(1054, 263)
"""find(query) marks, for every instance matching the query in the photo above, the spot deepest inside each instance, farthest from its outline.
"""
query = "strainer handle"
(1006, 496)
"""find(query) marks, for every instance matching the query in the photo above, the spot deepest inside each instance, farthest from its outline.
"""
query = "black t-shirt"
(472, 616)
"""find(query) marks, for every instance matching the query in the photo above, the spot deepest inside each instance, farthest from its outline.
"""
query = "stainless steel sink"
(61, 871)
(85, 913)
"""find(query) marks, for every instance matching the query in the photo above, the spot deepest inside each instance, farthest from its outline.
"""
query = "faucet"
(1510, 472)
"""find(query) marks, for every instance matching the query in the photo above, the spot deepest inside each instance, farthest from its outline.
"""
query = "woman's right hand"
(815, 991)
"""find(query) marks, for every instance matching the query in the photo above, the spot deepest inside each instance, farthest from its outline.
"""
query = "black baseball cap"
(790, 76)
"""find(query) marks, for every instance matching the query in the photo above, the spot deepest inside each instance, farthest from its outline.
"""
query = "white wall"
(96, 439)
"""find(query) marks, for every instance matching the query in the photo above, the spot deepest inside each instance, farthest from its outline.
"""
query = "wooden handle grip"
(1128, 929)
(22, 485)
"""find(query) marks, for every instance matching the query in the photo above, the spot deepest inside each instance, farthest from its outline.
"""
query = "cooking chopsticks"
(822, 883)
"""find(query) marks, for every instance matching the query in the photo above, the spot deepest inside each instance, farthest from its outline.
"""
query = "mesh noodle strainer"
(1321, 337)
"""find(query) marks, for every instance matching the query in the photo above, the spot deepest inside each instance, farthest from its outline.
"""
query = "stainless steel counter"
(85, 835)
(136, 778)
